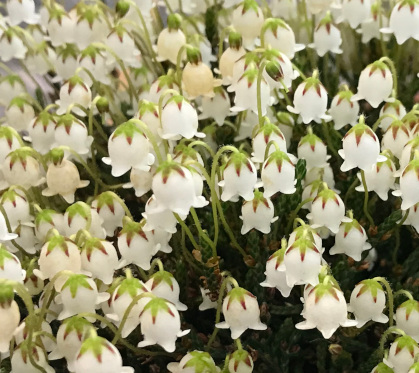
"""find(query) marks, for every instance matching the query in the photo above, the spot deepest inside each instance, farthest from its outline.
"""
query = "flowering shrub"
(204, 186)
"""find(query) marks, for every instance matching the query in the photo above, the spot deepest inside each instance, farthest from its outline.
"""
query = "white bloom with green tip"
(407, 318)
(402, 354)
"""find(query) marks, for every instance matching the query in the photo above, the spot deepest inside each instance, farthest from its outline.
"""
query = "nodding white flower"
(307, 232)
(10, 267)
(70, 336)
(11, 45)
(395, 138)
(318, 6)
(412, 218)
(313, 150)
(360, 148)
(240, 362)
(286, 71)
(278, 174)
(20, 168)
(310, 191)
(128, 148)
(19, 114)
(344, 111)
(45, 220)
(375, 84)
(258, 214)
(230, 56)
(241, 312)
(9, 141)
(22, 333)
(407, 318)
(99, 258)
(248, 61)
(395, 108)
(179, 119)
(94, 60)
(123, 46)
(122, 297)
(160, 324)
(73, 133)
(174, 189)
(327, 37)
(16, 207)
(368, 302)
(380, 178)
(110, 211)
(61, 25)
(9, 316)
(310, 100)
(248, 20)
(148, 112)
(164, 220)
(279, 35)
(409, 184)
(21, 11)
(20, 363)
(159, 86)
(79, 294)
(4, 234)
(99, 355)
(81, 216)
(27, 239)
(74, 91)
(370, 27)
(194, 362)
(401, 354)
(351, 240)
(246, 92)
(164, 285)
(41, 131)
(404, 21)
(356, 11)
(171, 39)
(302, 262)
(239, 178)
(284, 8)
(325, 309)
(262, 136)
(276, 273)
(135, 245)
(217, 107)
(58, 254)
(408, 152)
(66, 62)
(91, 27)
(327, 210)
(10, 87)
(197, 77)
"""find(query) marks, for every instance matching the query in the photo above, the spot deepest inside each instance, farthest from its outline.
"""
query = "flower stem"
(390, 299)
(392, 67)
(385, 335)
(366, 212)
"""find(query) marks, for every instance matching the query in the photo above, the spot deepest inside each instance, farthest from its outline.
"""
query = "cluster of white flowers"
(137, 108)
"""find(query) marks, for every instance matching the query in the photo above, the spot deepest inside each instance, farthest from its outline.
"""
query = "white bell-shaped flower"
(361, 148)
(91, 26)
(20, 362)
(79, 216)
(164, 220)
(395, 138)
(404, 21)
(239, 178)
(326, 37)
(94, 60)
(74, 91)
(356, 11)
(310, 100)
(230, 56)
(326, 310)
(10, 267)
(351, 239)
(66, 62)
(380, 178)
(17, 208)
(9, 317)
(344, 111)
(287, 72)
(412, 218)
(375, 84)
(22, 333)
(327, 210)
(368, 302)
(401, 354)
(262, 137)
(258, 214)
(278, 174)
(370, 27)
(61, 25)
(123, 46)
(408, 152)
(193, 362)
(10, 87)
(247, 19)
(409, 184)
(171, 39)
(139, 180)
(164, 285)
(313, 150)
(276, 273)
(9, 141)
(240, 362)
(217, 107)
(45, 220)
(160, 324)
(19, 114)
(11, 45)
(21, 11)
(41, 131)
(407, 318)
(99, 355)
(395, 108)
(128, 148)
(241, 312)
(110, 211)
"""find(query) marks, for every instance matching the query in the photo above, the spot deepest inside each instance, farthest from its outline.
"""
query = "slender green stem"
(390, 299)
(187, 231)
(295, 213)
(393, 70)
(203, 234)
(406, 293)
(366, 212)
(258, 92)
(383, 339)
(378, 121)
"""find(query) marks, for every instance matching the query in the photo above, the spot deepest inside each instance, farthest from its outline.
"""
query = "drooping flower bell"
(325, 309)
(409, 184)
(74, 91)
(60, 25)
(19, 114)
(258, 214)
(230, 56)
(351, 239)
(41, 131)
(407, 318)
(313, 150)
(10, 266)
(128, 148)
(344, 111)
(160, 324)
(240, 362)
(171, 39)
(412, 218)
(21, 11)
(356, 11)
(239, 178)
(123, 46)
(217, 107)
(9, 316)
(310, 100)
(368, 302)
(395, 108)
(17, 208)
(396, 137)
(247, 19)
(66, 62)
(402, 354)
(371, 27)
(91, 26)
(241, 312)
(20, 362)
(375, 84)
(360, 148)
(327, 37)
(94, 60)
(11, 45)
(194, 362)
(10, 86)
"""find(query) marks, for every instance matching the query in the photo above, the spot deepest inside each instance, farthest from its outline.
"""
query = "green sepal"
(238, 294)
(371, 286)
(5, 256)
(156, 305)
(74, 282)
(201, 362)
